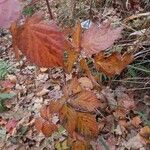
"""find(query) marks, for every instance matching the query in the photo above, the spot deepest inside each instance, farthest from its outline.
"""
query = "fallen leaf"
(45, 113)
(110, 97)
(41, 43)
(145, 135)
(39, 123)
(86, 101)
(86, 83)
(48, 128)
(79, 145)
(68, 117)
(87, 125)
(136, 121)
(42, 92)
(10, 125)
(99, 38)
(113, 64)
(10, 11)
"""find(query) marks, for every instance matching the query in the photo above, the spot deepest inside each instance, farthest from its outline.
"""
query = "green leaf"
(2, 133)
(4, 96)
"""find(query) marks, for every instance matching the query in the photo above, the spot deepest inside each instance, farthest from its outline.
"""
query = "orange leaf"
(86, 101)
(76, 37)
(39, 123)
(48, 128)
(87, 125)
(79, 145)
(113, 64)
(99, 38)
(68, 117)
(42, 43)
(145, 134)
(72, 57)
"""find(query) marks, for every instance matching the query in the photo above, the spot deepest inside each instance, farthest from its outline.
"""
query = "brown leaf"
(86, 101)
(113, 64)
(68, 117)
(48, 128)
(42, 43)
(86, 83)
(145, 134)
(87, 125)
(79, 145)
(73, 87)
(99, 38)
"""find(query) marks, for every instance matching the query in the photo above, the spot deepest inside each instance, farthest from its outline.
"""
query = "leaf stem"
(49, 9)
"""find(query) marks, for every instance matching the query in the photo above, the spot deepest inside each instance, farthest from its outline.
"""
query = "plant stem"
(49, 9)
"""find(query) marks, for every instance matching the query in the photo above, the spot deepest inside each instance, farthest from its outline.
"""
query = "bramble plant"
(44, 44)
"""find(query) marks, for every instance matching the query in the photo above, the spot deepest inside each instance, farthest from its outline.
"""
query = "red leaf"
(42, 43)
(9, 12)
(11, 124)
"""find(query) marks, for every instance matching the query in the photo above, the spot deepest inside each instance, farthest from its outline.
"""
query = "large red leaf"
(99, 38)
(42, 43)
(9, 12)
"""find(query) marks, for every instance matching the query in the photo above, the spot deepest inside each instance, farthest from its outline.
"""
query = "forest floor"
(34, 87)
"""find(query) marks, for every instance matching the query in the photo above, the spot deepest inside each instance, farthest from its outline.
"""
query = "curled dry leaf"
(87, 125)
(42, 43)
(86, 101)
(145, 135)
(68, 117)
(99, 38)
(113, 64)
(9, 12)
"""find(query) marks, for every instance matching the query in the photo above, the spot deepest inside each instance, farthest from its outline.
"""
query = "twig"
(49, 9)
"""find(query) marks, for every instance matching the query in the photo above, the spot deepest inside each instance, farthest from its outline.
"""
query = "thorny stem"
(49, 9)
